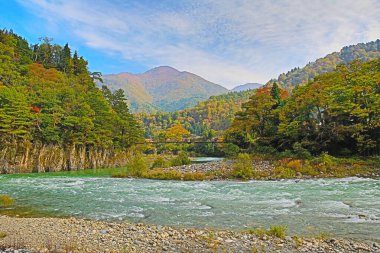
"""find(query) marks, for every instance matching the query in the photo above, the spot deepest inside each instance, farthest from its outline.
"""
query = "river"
(341, 207)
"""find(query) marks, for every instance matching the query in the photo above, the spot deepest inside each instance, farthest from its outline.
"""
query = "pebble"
(32, 235)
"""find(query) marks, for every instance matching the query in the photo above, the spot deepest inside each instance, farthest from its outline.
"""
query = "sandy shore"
(77, 235)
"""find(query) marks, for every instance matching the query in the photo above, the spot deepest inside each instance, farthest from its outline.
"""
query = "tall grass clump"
(277, 231)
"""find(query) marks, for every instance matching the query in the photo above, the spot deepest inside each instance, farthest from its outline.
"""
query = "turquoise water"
(307, 207)
(206, 159)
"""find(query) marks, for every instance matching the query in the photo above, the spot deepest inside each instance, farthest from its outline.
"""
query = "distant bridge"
(181, 142)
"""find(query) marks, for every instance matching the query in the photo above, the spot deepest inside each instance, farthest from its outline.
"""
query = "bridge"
(181, 142)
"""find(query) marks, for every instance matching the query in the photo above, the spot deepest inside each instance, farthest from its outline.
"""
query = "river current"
(341, 207)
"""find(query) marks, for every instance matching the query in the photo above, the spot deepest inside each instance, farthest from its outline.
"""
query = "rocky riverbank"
(77, 235)
(275, 170)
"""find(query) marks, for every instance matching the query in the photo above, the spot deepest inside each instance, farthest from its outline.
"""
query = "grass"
(278, 231)
(323, 236)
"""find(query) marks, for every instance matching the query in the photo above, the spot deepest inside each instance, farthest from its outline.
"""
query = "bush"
(242, 167)
(159, 162)
(137, 166)
(181, 159)
(231, 150)
(300, 151)
(6, 201)
(266, 150)
(294, 164)
(327, 160)
(194, 176)
(284, 173)
(163, 175)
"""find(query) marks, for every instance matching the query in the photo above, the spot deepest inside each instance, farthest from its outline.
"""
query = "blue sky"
(228, 42)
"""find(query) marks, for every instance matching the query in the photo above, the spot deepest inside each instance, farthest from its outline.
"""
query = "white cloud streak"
(226, 41)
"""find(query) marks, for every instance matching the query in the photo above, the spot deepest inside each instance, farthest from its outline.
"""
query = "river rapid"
(347, 207)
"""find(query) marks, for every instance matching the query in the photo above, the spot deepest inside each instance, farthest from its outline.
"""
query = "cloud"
(225, 41)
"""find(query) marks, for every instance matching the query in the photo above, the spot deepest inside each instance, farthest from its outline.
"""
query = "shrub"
(181, 159)
(3, 235)
(328, 160)
(282, 172)
(277, 231)
(266, 150)
(231, 150)
(194, 176)
(163, 175)
(300, 151)
(242, 167)
(6, 201)
(137, 166)
(160, 162)
(294, 164)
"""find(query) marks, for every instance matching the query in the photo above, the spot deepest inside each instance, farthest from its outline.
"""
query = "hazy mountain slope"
(247, 86)
(362, 51)
(163, 89)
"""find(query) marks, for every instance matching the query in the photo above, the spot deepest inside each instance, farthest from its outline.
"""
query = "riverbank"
(263, 169)
(77, 235)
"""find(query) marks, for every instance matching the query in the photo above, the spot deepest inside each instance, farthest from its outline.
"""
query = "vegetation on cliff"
(48, 99)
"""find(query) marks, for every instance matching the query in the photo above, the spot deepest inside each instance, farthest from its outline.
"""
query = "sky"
(228, 42)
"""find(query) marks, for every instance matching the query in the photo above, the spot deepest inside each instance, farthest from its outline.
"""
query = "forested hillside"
(362, 51)
(208, 118)
(52, 116)
(338, 113)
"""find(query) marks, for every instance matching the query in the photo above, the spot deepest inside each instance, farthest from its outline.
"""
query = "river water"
(341, 207)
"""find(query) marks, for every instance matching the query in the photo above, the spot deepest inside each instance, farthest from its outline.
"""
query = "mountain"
(362, 51)
(163, 89)
(247, 86)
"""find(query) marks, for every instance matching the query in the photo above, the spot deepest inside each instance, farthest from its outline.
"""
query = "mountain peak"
(163, 70)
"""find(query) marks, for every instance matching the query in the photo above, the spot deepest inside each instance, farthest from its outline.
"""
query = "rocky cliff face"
(27, 157)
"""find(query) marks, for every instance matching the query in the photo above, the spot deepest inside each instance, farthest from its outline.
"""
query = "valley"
(165, 160)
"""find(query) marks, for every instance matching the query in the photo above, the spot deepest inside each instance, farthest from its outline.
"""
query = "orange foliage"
(266, 90)
(35, 109)
(176, 132)
(294, 164)
(37, 70)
